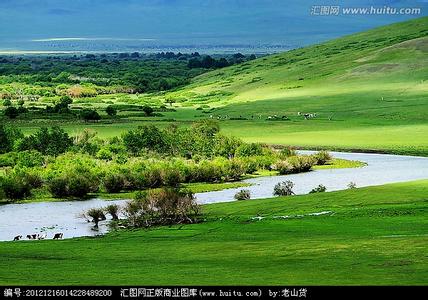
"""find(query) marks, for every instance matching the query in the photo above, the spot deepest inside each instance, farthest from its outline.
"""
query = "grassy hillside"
(374, 235)
(358, 86)
(388, 58)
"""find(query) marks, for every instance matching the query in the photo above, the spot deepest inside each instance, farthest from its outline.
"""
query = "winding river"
(52, 217)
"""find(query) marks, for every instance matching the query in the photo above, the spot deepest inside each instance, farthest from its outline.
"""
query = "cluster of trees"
(139, 72)
(208, 62)
(144, 158)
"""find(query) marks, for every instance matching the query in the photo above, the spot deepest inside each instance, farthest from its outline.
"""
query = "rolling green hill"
(359, 86)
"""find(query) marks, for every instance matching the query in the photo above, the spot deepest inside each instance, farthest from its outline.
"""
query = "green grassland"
(369, 91)
(374, 236)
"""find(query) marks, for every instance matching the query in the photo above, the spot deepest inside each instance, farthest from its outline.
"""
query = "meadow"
(370, 236)
(367, 90)
(363, 92)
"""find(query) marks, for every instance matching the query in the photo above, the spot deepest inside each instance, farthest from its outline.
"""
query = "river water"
(53, 217)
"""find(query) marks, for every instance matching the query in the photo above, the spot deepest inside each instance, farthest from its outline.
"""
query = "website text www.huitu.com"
(332, 10)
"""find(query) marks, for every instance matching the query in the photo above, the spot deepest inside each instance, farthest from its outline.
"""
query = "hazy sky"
(185, 21)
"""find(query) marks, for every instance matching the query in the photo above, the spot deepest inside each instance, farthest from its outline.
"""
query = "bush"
(234, 170)
(319, 189)
(72, 185)
(322, 157)
(164, 206)
(171, 177)
(152, 177)
(29, 159)
(58, 187)
(114, 183)
(11, 112)
(352, 185)
(295, 164)
(113, 210)
(243, 195)
(252, 149)
(284, 167)
(111, 110)
(104, 154)
(15, 187)
(90, 115)
(287, 152)
(284, 188)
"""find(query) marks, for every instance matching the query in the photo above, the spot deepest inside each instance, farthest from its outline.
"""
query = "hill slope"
(389, 55)
(358, 85)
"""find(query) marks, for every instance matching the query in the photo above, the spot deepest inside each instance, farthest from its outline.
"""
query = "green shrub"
(30, 158)
(104, 154)
(243, 195)
(319, 189)
(58, 187)
(152, 177)
(72, 185)
(114, 183)
(287, 152)
(165, 206)
(113, 210)
(246, 150)
(322, 157)
(14, 187)
(295, 164)
(172, 177)
(8, 159)
(284, 188)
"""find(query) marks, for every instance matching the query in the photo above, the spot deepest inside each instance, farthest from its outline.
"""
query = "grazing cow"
(31, 236)
(17, 238)
(58, 236)
(42, 236)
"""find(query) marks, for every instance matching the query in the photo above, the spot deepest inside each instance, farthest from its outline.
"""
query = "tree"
(147, 110)
(90, 115)
(97, 215)
(170, 101)
(111, 110)
(146, 137)
(62, 104)
(8, 136)
(252, 149)
(11, 112)
(208, 62)
(113, 210)
(7, 102)
(48, 142)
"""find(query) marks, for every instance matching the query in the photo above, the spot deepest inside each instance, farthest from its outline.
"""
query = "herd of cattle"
(306, 116)
(37, 236)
